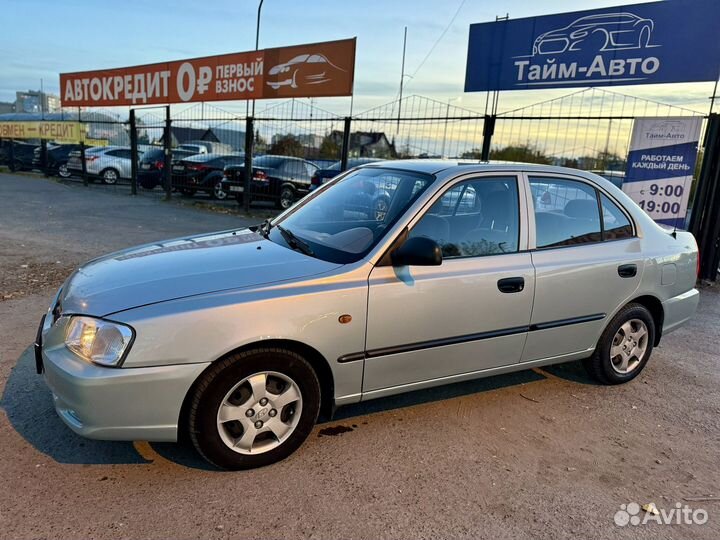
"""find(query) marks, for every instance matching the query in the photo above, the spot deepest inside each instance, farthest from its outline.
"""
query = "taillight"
(159, 164)
(316, 180)
(260, 176)
(90, 158)
(198, 167)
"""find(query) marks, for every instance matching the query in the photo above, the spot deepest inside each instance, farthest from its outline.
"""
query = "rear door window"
(566, 212)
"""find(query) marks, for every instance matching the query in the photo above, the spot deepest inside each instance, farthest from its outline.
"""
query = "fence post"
(488, 131)
(167, 146)
(83, 164)
(345, 150)
(705, 220)
(249, 136)
(133, 153)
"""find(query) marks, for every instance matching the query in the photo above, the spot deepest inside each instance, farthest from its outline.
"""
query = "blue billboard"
(657, 42)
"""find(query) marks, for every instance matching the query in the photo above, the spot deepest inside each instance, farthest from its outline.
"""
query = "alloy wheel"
(218, 192)
(259, 413)
(629, 346)
(110, 176)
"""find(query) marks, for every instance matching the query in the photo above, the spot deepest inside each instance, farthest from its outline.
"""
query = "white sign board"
(660, 166)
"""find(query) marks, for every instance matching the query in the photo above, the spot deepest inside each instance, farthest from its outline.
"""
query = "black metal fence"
(187, 150)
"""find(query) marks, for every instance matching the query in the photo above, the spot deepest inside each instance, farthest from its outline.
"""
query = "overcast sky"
(41, 38)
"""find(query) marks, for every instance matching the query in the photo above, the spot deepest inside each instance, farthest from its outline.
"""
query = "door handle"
(627, 270)
(511, 285)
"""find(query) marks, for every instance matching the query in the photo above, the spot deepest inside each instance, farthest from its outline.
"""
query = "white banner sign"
(660, 166)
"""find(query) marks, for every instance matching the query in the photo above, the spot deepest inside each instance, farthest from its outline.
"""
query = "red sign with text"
(313, 70)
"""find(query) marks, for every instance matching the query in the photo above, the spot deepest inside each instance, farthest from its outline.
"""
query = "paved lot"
(541, 453)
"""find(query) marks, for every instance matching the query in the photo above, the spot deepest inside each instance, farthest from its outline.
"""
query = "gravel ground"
(540, 453)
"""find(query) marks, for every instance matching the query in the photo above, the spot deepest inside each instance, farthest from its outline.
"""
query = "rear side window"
(616, 223)
(566, 212)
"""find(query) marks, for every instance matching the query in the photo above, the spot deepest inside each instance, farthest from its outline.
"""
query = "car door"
(586, 266)
(467, 315)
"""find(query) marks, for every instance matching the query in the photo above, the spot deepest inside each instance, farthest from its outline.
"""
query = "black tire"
(110, 176)
(186, 192)
(215, 383)
(217, 192)
(287, 198)
(16, 165)
(600, 366)
(63, 171)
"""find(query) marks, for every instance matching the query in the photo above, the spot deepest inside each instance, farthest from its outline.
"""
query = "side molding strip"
(433, 343)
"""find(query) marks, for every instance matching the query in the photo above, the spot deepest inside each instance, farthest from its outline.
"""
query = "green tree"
(287, 145)
(329, 148)
(524, 153)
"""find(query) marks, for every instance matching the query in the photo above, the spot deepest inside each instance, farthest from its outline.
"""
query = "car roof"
(450, 166)
(208, 157)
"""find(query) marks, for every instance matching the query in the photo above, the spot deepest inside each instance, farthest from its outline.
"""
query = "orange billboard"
(312, 70)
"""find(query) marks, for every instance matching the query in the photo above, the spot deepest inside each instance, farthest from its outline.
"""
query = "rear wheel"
(287, 197)
(63, 171)
(624, 347)
(218, 192)
(110, 176)
(254, 408)
(16, 165)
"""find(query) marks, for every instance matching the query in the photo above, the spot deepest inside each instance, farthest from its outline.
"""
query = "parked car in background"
(282, 179)
(17, 155)
(109, 163)
(202, 172)
(323, 175)
(152, 166)
(57, 158)
(239, 339)
(206, 147)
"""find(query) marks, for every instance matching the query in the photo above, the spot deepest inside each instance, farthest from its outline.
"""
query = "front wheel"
(624, 347)
(254, 408)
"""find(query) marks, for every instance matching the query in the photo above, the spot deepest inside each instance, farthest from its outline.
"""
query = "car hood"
(183, 267)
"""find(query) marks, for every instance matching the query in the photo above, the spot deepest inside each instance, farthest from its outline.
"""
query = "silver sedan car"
(241, 338)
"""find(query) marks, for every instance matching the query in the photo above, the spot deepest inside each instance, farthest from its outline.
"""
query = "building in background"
(6, 107)
(35, 101)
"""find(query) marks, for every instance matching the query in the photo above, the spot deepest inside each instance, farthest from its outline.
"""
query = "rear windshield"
(271, 162)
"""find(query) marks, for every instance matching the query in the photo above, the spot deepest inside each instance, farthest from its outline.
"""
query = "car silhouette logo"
(604, 32)
(305, 69)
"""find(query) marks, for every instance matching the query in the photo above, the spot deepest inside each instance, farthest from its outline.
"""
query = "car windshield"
(344, 222)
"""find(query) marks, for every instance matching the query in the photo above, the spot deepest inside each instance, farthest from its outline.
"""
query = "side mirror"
(417, 251)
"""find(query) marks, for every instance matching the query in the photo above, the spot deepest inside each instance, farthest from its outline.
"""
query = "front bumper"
(114, 403)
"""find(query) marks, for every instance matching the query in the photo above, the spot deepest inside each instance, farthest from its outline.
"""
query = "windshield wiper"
(294, 242)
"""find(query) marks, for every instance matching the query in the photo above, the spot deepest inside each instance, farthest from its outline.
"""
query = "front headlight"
(98, 341)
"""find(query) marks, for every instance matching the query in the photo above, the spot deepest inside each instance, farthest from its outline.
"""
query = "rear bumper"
(679, 309)
(117, 404)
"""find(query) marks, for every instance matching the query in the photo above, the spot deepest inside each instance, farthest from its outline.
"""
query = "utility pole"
(402, 78)
(257, 41)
